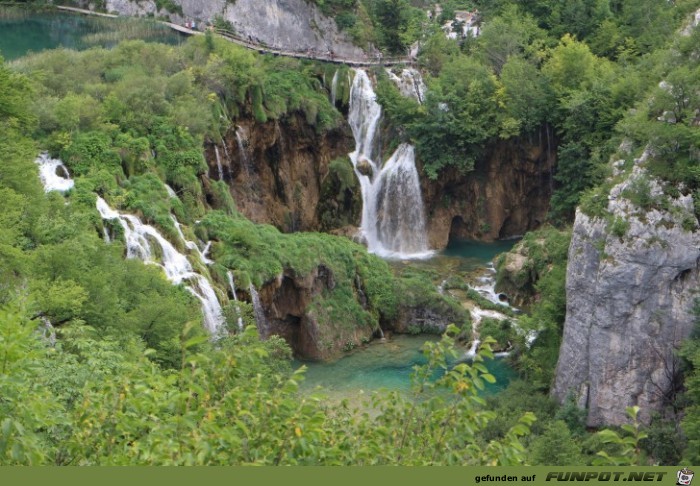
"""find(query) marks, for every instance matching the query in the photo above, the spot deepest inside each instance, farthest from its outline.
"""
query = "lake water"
(388, 365)
(26, 31)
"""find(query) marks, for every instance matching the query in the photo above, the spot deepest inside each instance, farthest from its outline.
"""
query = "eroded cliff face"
(506, 195)
(276, 170)
(287, 24)
(631, 281)
(295, 310)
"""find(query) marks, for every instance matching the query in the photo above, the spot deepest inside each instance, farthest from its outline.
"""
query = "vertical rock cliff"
(287, 24)
(632, 278)
(276, 170)
(506, 195)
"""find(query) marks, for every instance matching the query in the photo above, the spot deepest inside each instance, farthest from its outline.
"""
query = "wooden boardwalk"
(265, 49)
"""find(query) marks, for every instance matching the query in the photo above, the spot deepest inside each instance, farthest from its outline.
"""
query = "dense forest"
(105, 362)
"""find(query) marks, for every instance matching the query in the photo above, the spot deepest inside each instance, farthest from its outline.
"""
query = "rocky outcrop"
(632, 278)
(286, 24)
(506, 195)
(295, 310)
(276, 170)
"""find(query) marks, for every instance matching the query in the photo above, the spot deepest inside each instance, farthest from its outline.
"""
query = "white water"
(487, 287)
(231, 284)
(218, 163)
(260, 318)
(191, 245)
(242, 150)
(171, 191)
(334, 87)
(410, 83)
(142, 240)
(393, 216)
(53, 174)
(228, 160)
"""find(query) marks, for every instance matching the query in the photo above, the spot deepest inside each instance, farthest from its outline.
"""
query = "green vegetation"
(105, 362)
(542, 282)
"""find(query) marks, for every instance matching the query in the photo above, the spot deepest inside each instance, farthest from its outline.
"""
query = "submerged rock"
(364, 167)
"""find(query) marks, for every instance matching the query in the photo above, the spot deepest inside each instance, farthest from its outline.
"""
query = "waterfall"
(334, 87)
(487, 287)
(171, 191)
(218, 163)
(191, 245)
(410, 83)
(142, 239)
(228, 160)
(393, 216)
(245, 160)
(231, 284)
(399, 205)
(260, 318)
(53, 174)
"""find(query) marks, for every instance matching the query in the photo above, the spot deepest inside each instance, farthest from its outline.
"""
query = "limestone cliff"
(506, 195)
(276, 170)
(288, 24)
(632, 277)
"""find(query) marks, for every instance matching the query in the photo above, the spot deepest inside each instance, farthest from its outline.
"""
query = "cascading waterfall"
(218, 163)
(393, 216)
(228, 160)
(139, 239)
(334, 86)
(410, 83)
(245, 160)
(191, 245)
(142, 240)
(259, 312)
(232, 285)
(487, 287)
(53, 174)
(171, 192)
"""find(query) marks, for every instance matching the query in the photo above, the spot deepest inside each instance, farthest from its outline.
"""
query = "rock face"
(506, 195)
(288, 24)
(276, 170)
(630, 292)
(291, 306)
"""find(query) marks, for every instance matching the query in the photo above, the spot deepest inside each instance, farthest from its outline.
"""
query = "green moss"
(340, 202)
(259, 253)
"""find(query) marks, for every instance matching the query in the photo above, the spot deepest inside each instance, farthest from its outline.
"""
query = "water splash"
(393, 220)
(53, 174)
(141, 241)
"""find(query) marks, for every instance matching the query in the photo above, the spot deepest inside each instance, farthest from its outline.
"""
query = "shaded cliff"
(632, 278)
(506, 195)
(298, 308)
(276, 172)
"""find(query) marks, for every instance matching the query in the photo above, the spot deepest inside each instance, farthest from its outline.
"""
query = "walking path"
(265, 49)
